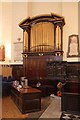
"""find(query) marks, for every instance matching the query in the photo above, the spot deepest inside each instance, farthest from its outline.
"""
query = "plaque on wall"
(18, 49)
(73, 46)
(2, 53)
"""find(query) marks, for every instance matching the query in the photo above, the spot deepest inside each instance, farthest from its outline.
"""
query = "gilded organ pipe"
(25, 40)
(42, 36)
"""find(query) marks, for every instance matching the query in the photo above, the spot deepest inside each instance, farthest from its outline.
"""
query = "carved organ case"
(43, 42)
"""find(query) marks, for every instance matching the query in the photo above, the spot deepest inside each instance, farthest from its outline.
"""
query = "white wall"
(7, 29)
(19, 12)
(67, 9)
(0, 22)
(15, 12)
(12, 14)
(70, 12)
(36, 8)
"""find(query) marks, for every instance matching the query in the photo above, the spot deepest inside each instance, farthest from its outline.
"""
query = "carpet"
(53, 110)
(69, 116)
(50, 109)
(45, 102)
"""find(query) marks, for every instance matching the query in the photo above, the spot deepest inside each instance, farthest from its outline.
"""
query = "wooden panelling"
(43, 70)
(17, 71)
(27, 100)
(35, 67)
(71, 89)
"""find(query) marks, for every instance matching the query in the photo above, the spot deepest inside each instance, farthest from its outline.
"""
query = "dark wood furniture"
(70, 100)
(27, 100)
(46, 71)
(42, 43)
(56, 70)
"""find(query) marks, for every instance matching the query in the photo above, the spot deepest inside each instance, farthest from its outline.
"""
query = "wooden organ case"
(43, 46)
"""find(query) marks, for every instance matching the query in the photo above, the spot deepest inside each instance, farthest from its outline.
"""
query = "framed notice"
(18, 49)
(73, 46)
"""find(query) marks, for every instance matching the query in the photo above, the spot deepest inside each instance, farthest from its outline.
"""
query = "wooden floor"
(10, 110)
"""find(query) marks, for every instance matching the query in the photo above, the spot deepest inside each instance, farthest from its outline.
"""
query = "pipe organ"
(42, 39)
(43, 33)
(43, 43)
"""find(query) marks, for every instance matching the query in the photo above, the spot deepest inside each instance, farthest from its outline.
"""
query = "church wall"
(14, 12)
(70, 12)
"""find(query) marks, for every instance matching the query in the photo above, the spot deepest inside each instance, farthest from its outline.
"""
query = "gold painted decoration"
(25, 41)
(58, 38)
